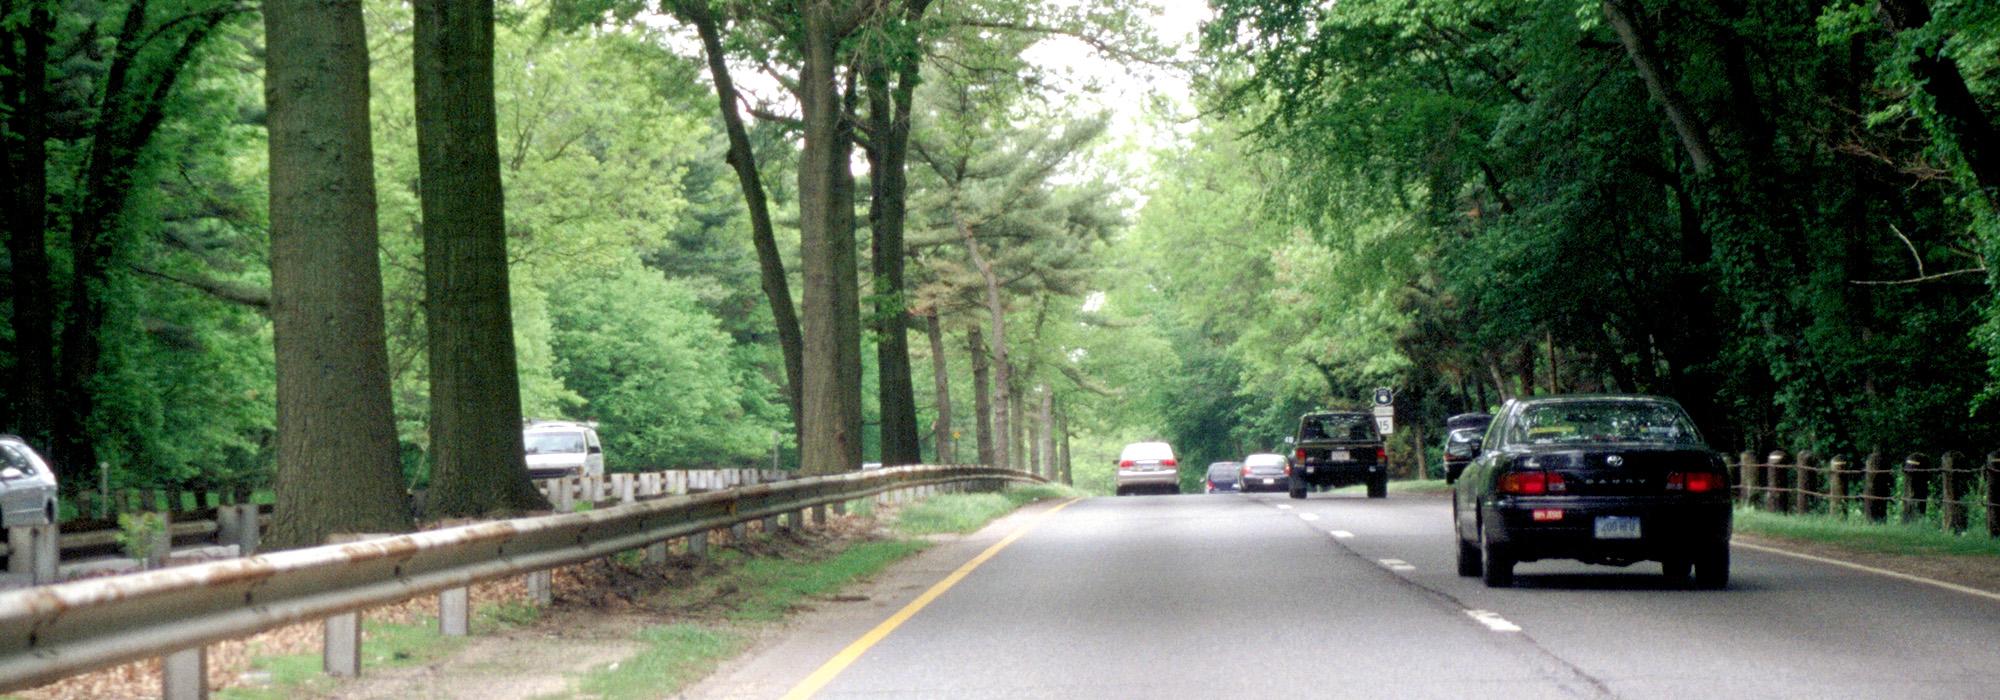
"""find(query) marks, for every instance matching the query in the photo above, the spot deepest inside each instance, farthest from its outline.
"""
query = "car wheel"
(1711, 567)
(1378, 486)
(1468, 558)
(1676, 569)
(1298, 488)
(1121, 491)
(1496, 565)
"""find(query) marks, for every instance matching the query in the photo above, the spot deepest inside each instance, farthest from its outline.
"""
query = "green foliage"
(968, 512)
(139, 533)
(673, 656)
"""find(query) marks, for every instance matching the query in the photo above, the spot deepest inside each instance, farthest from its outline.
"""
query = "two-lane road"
(1263, 596)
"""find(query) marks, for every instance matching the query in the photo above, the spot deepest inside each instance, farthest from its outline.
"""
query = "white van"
(562, 448)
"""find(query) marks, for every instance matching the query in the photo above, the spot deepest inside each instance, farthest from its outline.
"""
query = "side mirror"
(596, 449)
(11, 473)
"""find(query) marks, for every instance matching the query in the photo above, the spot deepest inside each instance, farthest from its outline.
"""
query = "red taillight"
(1301, 455)
(1381, 455)
(1127, 464)
(1167, 462)
(1246, 470)
(1532, 483)
(1694, 482)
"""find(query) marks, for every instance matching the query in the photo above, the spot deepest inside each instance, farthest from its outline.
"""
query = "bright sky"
(1126, 90)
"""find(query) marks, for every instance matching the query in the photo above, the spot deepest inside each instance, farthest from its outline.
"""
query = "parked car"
(1266, 472)
(27, 485)
(1148, 466)
(1338, 448)
(1608, 480)
(562, 448)
(1222, 477)
(1462, 435)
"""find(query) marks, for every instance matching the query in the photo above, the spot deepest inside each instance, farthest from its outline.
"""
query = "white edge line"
(1493, 621)
(1968, 590)
(1341, 534)
(1308, 517)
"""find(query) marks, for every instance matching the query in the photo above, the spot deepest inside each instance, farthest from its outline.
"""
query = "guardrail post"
(163, 543)
(1838, 471)
(627, 492)
(33, 550)
(819, 516)
(454, 612)
(184, 675)
(1916, 487)
(698, 544)
(342, 654)
(738, 533)
(237, 524)
(1956, 483)
(656, 553)
(541, 587)
(1748, 477)
(770, 525)
(1805, 482)
(1777, 498)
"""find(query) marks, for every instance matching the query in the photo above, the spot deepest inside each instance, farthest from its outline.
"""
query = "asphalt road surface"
(1339, 596)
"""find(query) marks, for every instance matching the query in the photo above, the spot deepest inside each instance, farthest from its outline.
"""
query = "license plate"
(1268, 482)
(1336, 455)
(1617, 527)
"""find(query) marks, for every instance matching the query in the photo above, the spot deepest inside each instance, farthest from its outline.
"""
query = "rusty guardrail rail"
(51, 632)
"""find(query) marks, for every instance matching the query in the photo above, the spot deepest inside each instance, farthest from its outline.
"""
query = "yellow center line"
(832, 669)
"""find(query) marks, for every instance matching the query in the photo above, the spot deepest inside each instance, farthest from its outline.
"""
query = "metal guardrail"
(55, 631)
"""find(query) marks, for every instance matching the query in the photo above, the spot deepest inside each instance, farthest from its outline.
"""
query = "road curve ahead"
(1262, 596)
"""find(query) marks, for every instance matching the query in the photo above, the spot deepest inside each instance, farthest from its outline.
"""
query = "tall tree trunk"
(337, 457)
(743, 159)
(1062, 429)
(1017, 426)
(1971, 127)
(947, 453)
(831, 396)
(1045, 433)
(1646, 58)
(24, 152)
(476, 459)
(889, 119)
(996, 310)
(982, 397)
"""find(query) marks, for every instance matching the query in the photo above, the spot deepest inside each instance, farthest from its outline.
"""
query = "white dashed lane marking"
(1398, 565)
(1341, 534)
(1282, 506)
(1308, 517)
(1493, 621)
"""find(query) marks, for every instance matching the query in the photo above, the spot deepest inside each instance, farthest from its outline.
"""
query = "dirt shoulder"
(1979, 572)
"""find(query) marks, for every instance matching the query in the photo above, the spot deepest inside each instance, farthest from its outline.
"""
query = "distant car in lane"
(1148, 466)
(1338, 448)
(27, 485)
(1462, 435)
(562, 448)
(1266, 472)
(1602, 479)
(1222, 477)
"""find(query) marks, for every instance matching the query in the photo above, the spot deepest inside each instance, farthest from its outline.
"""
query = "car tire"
(1298, 488)
(1711, 567)
(1378, 486)
(1121, 491)
(1468, 558)
(1676, 569)
(1495, 563)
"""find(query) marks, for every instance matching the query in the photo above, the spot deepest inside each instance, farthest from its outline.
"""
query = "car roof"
(556, 425)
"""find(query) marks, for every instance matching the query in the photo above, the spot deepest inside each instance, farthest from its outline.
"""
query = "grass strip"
(1889, 538)
(967, 512)
(384, 645)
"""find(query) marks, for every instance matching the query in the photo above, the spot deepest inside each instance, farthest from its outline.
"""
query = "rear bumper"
(1161, 477)
(1223, 487)
(1667, 528)
(1276, 482)
(1337, 473)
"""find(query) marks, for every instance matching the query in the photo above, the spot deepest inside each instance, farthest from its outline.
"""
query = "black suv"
(1600, 479)
(1338, 448)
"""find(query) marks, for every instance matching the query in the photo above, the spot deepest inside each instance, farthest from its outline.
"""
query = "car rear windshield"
(1147, 450)
(1337, 426)
(553, 443)
(1223, 469)
(1265, 460)
(1590, 422)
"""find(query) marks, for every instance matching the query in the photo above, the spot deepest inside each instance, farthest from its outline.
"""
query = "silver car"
(27, 485)
(1148, 466)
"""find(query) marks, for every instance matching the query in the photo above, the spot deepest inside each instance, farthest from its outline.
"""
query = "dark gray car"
(1222, 477)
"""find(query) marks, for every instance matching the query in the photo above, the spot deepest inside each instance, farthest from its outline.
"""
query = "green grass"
(384, 645)
(967, 512)
(1893, 538)
(675, 654)
(1412, 487)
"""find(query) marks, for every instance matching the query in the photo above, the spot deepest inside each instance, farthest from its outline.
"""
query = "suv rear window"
(1337, 426)
(553, 443)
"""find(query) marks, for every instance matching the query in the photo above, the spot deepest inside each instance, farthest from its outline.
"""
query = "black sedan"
(1600, 479)
(1222, 477)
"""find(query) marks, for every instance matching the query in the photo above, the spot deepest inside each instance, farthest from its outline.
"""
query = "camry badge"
(1615, 460)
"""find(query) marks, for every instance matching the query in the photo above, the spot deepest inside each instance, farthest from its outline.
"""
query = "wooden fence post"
(1747, 477)
(1916, 487)
(1881, 487)
(1956, 483)
(1805, 482)
(1837, 471)
(1993, 494)
(1777, 498)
